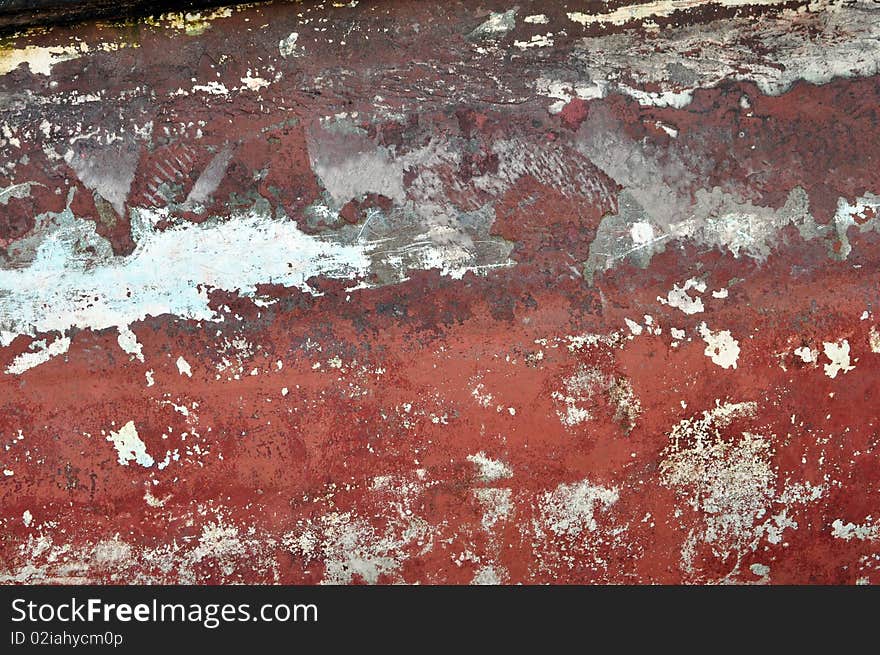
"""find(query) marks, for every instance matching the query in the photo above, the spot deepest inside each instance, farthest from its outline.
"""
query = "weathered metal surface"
(443, 293)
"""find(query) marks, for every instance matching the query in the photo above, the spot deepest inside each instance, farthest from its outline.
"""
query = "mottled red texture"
(436, 339)
(481, 362)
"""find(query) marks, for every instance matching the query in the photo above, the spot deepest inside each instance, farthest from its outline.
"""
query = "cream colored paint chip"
(838, 354)
(721, 347)
(874, 340)
(183, 367)
(129, 447)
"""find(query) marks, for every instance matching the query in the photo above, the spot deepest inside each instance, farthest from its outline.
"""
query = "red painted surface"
(367, 469)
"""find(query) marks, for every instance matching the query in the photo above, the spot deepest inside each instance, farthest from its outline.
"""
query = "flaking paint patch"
(488, 575)
(867, 531)
(497, 505)
(570, 509)
(730, 480)
(41, 59)
(721, 347)
(351, 547)
(287, 47)
(489, 469)
(537, 41)
(840, 44)
(193, 23)
(29, 360)
(634, 328)
(874, 339)
(497, 25)
(658, 9)
(679, 298)
(129, 343)
(838, 354)
(303, 392)
(183, 367)
(807, 355)
(129, 447)
(168, 273)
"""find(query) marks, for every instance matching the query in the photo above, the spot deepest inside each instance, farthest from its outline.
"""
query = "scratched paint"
(408, 292)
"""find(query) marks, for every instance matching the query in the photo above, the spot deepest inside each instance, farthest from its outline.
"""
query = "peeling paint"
(299, 294)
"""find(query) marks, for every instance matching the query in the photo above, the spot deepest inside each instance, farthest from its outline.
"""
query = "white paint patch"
(730, 483)
(168, 273)
(287, 46)
(26, 361)
(831, 41)
(537, 41)
(152, 501)
(874, 340)
(807, 355)
(128, 341)
(720, 293)
(678, 297)
(658, 9)
(487, 576)
(20, 190)
(641, 232)
(537, 19)
(652, 326)
(129, 446)
(27, 518)
(838, 354)
(863, 532)
(634, 327)
(574, 415)
(564, 92)
(149, 376)
(761, 570)
(671, 131)
(497, 505)
(498, 24)
(674, 99)
(350, 545)
(588, 383)
(571, 508)
(183, 367)
(483, 397)
(254, 83)
(701, 427)
(489, 469)
(41, 59)
(721, 347)
(213, 88)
